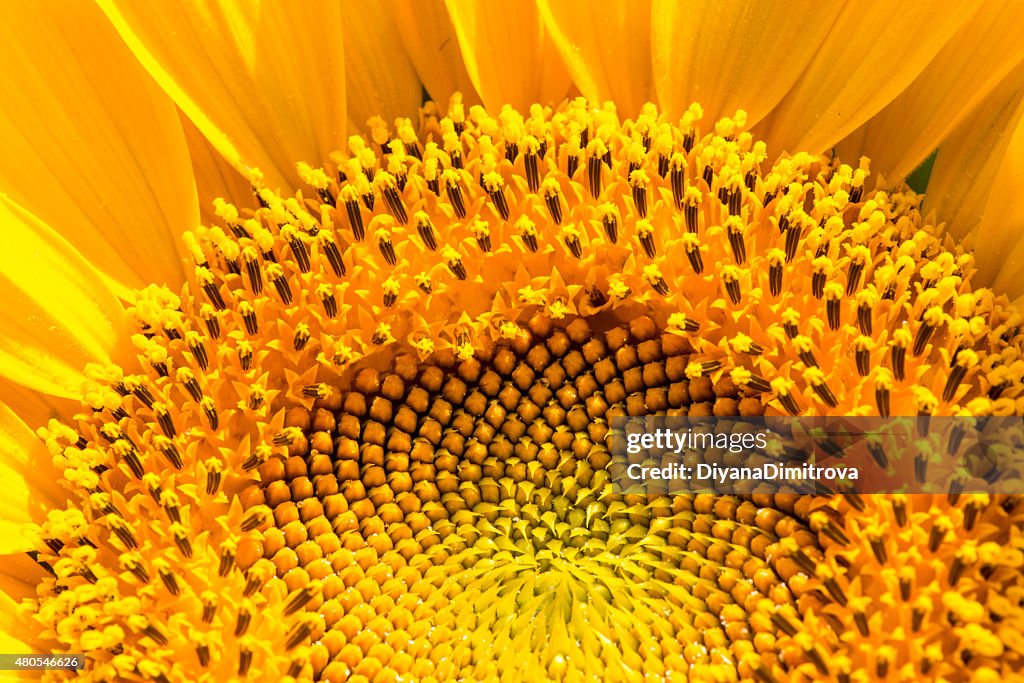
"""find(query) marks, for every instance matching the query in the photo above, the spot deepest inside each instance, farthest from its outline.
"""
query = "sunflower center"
(367, 438)
(479, 494)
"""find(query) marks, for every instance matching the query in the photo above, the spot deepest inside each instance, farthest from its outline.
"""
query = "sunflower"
(307, 379)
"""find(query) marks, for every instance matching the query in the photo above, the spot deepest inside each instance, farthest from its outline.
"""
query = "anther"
(965, 360)
(385, 183)
(679, 321)
(454, 260)
(528, 232)
(148, 629)
(180, 535)
(299, 632)
(391, 290)
(318, 180)
(332, 252)
(328, 299)
(210, 411)
(859, 256)
(645, 234)
(639, 180)
(867, 299)
(298, 248)
(424, 283)
(171, 504)
(553, 199)
(141, 391)
(735, 229)
(898, 350)
(300, 598)
(168, 578)
(132, 561)
(163, 418)
(256, 517)
(691, 243)
(532, 174)
(244, 350)
(899, 509)
(248, 314)
(386, 247)
(691, 209)
(833, 293)
(883, 391)
(816, 378)
(931, 319)
(822, 268)
(482, 232)
(426, 230)
(205, 278)
(790, 320)
(301, 336)
(571, 237)
(198, 349)
(776, 260)
(731, 277)
(744, 377)
(925, 402)
(353, 212)
(938, 533)
(594, 165)
(454, 192)
(122, 531)
(275, 273)
(677, 175)
(610, 221)
(203, 653)
(654, 278)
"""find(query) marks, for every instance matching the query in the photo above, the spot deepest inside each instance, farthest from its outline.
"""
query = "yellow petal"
(606, 48)
(11, 624)
(19, 633)
(999, 253)
(57, 314)
(35, 408)
(379, 76)
(968, 161)
(429, 39)
(509, 56)
(874, 50)
(215, 177)
(30, 487)
(731, 54)
(964, 72)
(91, 145)
(263, 80)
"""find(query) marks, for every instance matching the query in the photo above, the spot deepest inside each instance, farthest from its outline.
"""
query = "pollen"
(369, 439)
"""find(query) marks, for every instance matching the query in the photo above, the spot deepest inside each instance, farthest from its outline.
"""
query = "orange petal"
(19, 633)
(509, 56)
(264, 81)
(215, 177)
(57, 314)
(380, 78)
(965, 71)
(999, 253)
(606, 48)
(730, 55)
(872, 53)
(968, 162)
(429, 39)
(30, 487)
(91, 145)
